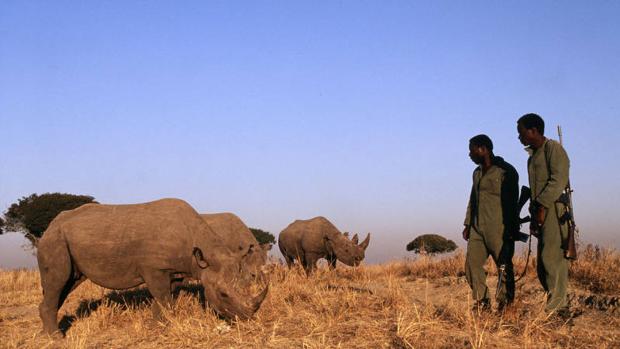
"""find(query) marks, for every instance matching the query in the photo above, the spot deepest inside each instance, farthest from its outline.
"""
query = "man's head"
(480, 147)
(531, 128)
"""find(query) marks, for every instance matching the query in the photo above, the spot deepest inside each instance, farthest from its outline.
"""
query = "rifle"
(567, 217)
(524, 196)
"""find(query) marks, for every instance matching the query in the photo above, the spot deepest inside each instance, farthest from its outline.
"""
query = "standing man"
(491, 223)
(547, 168)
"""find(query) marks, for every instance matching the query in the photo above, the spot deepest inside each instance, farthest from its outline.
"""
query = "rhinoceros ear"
(366, 241)
(355, 239)
(200, 260)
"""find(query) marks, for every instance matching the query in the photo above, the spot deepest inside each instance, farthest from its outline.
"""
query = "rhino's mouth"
(229, 303)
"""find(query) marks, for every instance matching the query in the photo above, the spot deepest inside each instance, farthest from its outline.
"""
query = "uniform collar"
(531, 151)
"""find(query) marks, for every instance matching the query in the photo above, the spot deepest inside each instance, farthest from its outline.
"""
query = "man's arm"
(470, 208)
(558, 164)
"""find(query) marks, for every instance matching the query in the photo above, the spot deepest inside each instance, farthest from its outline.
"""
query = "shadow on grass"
(126, 300)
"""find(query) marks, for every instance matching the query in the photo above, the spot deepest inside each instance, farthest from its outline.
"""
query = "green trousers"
(479, 247)
(552, 267)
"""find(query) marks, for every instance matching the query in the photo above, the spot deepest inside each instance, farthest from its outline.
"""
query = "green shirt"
(492, 207)
(547, 168)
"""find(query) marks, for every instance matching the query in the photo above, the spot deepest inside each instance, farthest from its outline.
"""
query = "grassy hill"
(421, 303)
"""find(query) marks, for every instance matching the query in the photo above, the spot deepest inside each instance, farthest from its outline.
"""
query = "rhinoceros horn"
(229, 303)
(366, 241)
(221, 295)
(258, 300)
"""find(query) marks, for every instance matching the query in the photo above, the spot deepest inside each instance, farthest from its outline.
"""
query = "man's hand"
(534, 229)
(540, 215)
(466, 233)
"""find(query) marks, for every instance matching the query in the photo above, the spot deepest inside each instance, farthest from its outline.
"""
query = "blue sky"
(359, 111)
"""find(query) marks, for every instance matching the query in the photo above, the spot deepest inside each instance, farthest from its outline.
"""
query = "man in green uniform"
(491, 223)
(547, 168)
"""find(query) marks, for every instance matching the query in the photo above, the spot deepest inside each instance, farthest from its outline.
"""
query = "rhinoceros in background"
(312, 239)
(237, 236)
(123, 246)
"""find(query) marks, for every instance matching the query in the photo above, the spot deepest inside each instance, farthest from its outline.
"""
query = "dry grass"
(597, 269)
(422, 303)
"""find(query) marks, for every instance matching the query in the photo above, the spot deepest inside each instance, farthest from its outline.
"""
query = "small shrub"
(431, 244)
(263, 237)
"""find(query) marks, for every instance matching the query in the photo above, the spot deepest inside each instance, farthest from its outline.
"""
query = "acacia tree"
(1, 225)
(32, 214)
(263, 237)
(431, 244)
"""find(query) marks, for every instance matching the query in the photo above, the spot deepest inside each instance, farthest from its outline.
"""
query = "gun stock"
(570, 252)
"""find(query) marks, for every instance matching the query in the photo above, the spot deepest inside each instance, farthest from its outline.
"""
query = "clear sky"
(359, 111)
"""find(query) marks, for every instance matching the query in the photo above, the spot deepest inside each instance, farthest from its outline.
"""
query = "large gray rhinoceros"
(123, 246)
(312, 239)
(237, 236)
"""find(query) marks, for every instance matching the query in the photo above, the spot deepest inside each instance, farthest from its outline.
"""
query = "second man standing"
(491, 223)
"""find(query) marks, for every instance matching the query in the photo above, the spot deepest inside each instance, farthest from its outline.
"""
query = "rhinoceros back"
(231, 229)
(305, 235)
(110, 243)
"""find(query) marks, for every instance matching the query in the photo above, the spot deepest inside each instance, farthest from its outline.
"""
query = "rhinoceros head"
(347, 251)
(252, 262)
(220, 278)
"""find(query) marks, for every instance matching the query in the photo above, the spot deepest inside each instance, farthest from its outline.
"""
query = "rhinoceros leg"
(289, 260)
(310, 260)
(176, 283)
(158, 283)
(74, 281)
(332, 261)
(56, 281)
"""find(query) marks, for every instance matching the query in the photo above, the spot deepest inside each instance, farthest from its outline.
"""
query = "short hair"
(482, 141)
(532, 120)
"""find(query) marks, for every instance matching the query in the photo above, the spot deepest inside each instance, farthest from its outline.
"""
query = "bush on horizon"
(31, 215)
(263, 237)
(431, 244)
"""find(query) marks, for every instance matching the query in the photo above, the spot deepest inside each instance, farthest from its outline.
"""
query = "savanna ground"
(420, 303)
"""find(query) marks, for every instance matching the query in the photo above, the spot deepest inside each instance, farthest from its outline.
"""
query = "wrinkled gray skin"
(123, 246)
(231, 230)
(310, 240)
